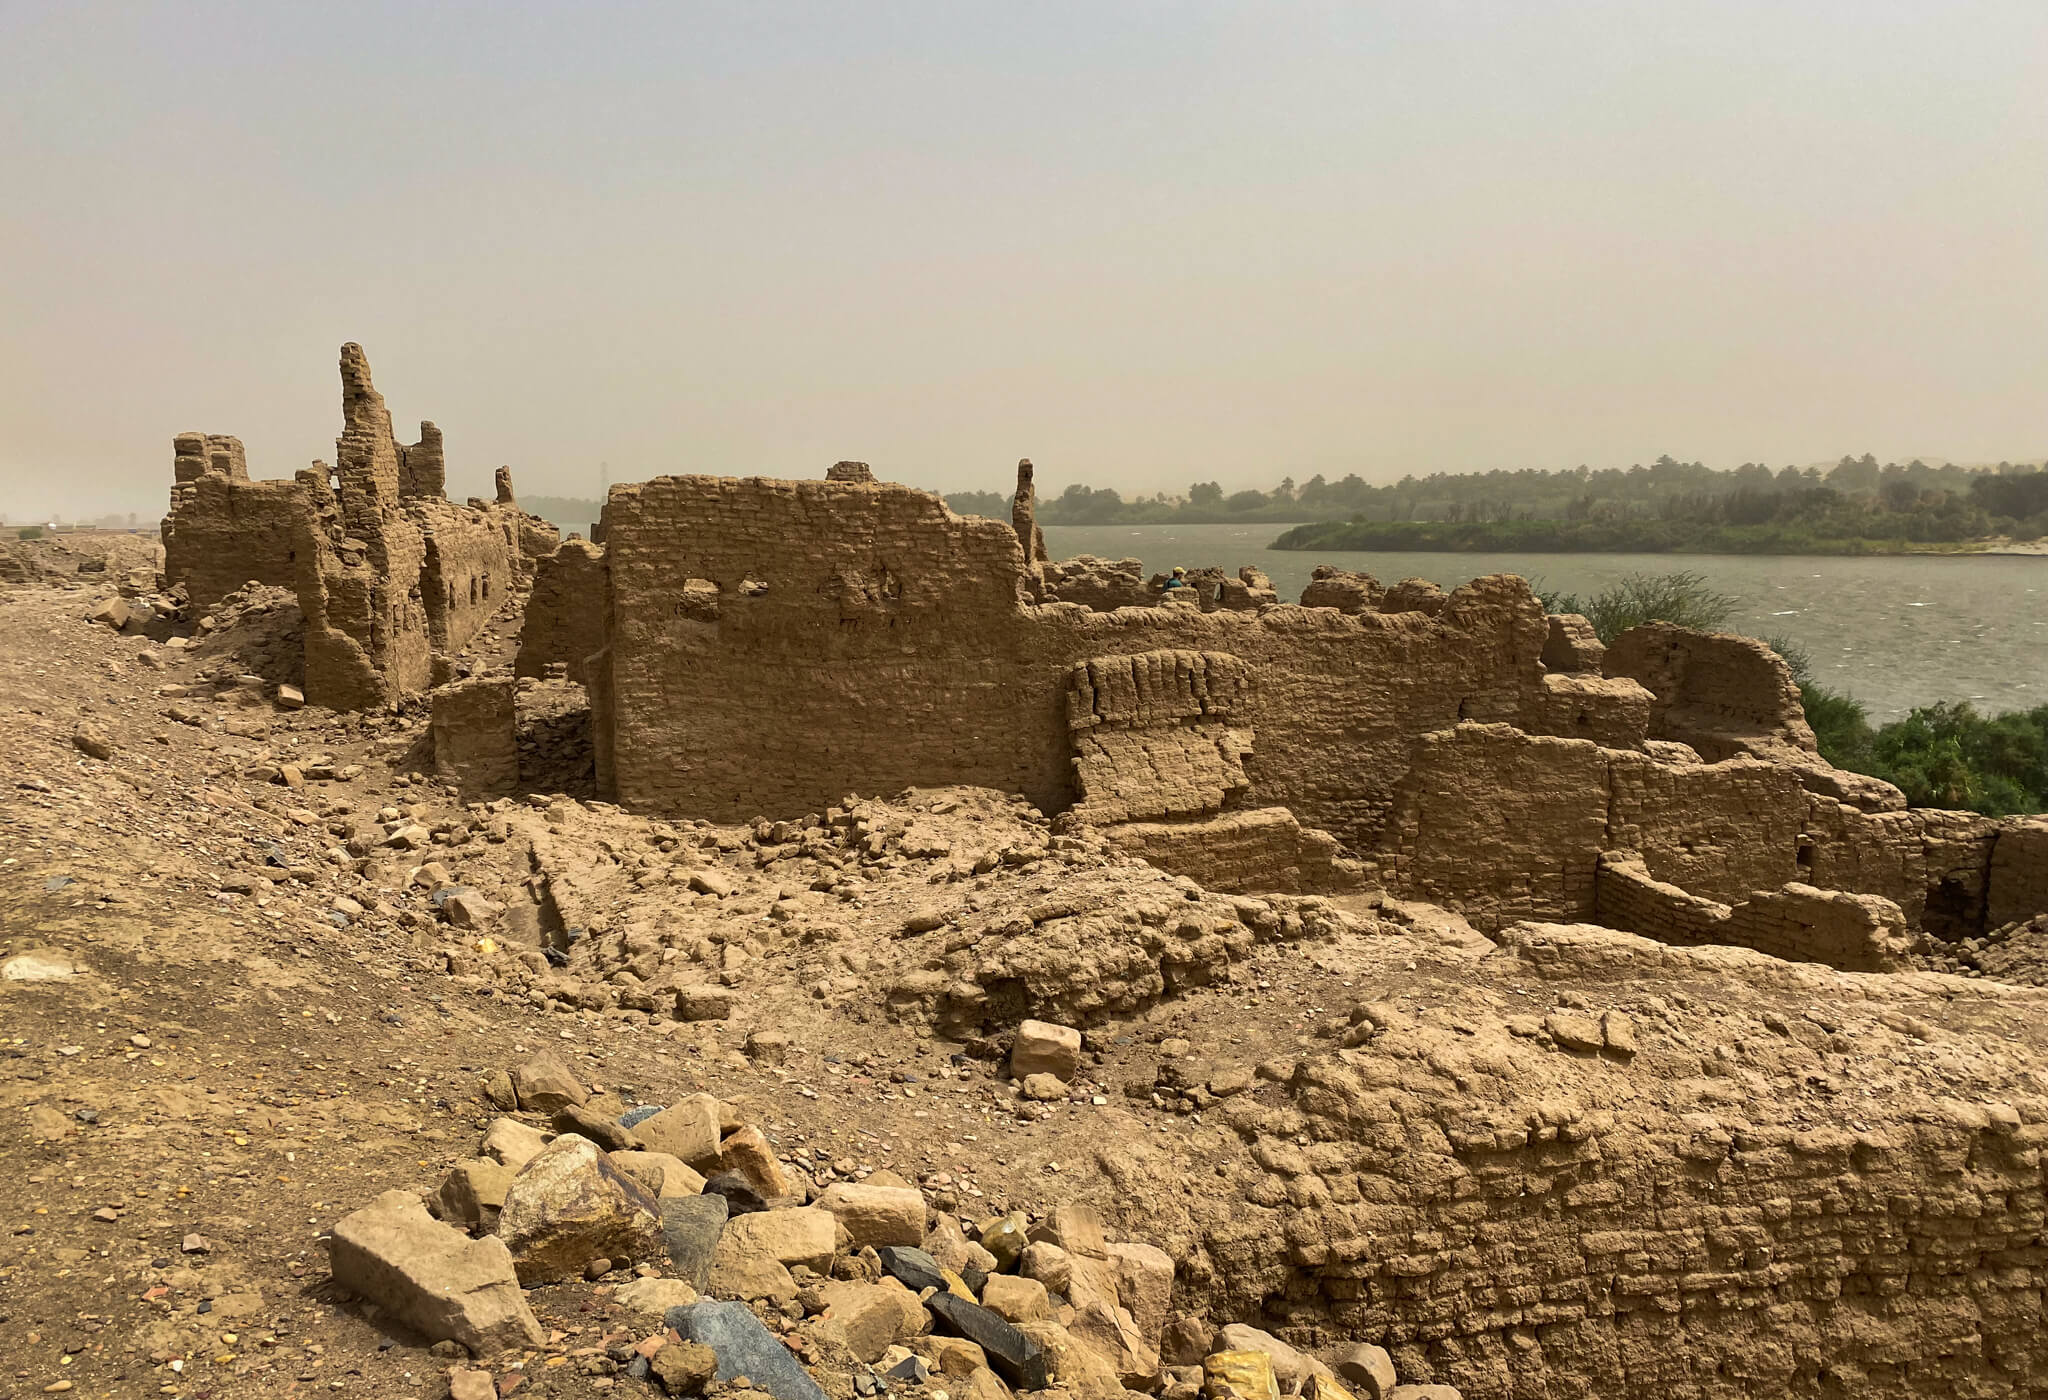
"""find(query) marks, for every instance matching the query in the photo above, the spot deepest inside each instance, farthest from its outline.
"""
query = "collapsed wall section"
(224, 530)
(564, 621)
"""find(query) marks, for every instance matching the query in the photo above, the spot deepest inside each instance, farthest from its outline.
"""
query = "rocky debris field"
(319, 1078)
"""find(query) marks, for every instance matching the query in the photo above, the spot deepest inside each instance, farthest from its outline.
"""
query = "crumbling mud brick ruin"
(392, 578)
(1688, 1098)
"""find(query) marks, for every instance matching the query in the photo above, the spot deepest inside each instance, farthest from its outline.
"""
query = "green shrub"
(29, 532)
(1684, 598)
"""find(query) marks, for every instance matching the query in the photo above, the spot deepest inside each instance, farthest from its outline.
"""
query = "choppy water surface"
(1895, 632)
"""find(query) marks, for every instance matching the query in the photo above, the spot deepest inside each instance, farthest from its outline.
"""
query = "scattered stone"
(1370, 1369)
(1248, 1375)
(577, 1119)
(744, 1348)
(1014, 1356)
(512, 1142)
(1044, 1088)
(869, 1318)
(748, 1153)
(1290, 1367)
(544, 1084)
(1619, 1032)
(705, 1003)
(1574, 1032)
(690, 1228)
(290, 697)
(807, 1236)
(683, 1368)
(740, 1196)
(1044, 1048)
(876, 1215)
(655, 1295)
(570, 1205)
(659, 1172)
(473, 1193)
(688, 1130)
(1425, 1392)
(466, 1384)
(913, 1268)
(1016, 1299)
(768, 1047)
(429, 1276)
(92, 741)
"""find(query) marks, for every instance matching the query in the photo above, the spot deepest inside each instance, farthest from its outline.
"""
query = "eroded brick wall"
(225, 530)
(466, 574)
(2018, 874)
(776, 645)
(565, 612)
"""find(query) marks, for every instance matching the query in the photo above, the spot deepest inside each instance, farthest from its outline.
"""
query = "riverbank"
(1621, 537)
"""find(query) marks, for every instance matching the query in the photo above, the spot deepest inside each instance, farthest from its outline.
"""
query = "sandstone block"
(544, 1084)
(655, 1295)
(705, 1003)
(1144, 1284)
(1044, 1048)
(512, 1142)
(1115, 1337)
(1290, 1367)
(1016, 1299)
(876, 1215)
(688, 1130)
(749, 1153)
(869, 1318)
(473, 1193)
(1370, 1369)
(807, 1236)
(570, 1205)
(431, 1277)
(659, 1172)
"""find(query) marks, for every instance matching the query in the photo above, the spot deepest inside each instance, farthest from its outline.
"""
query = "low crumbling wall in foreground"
(1653, 1184)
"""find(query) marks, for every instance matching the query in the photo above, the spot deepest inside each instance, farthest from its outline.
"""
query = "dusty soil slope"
(1570, 1163)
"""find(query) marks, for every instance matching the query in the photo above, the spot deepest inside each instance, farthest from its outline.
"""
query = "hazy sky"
(1141, 243)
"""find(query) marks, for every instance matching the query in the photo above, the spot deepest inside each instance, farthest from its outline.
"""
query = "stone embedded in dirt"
(1186, 1339)
(512, 1142)
(467, 1384)
(290, 697)
(659, 1172)
(1044, 1088)
(577, 1119)
(1044, 1048)
(431, 1277)
(570, 1205)
(199, 1244)
(869, 1318)
(683, 1368)
(748, 1153)
(946, 1242)
(544, 1084)
(473, 1193)
(686, 1130)
(1425, 1392)
(1144, 1284)
(768, 1047)
(114, 614)
(1370, 1369)
(690, 1228)
(1115, 1337)
(1014, 1356)
(655, 1295)
(1075, 1228)
(466, 909)
(1575, 1032)
(744, 1348)
(1618, 1031)
(39, 965)
(705, 1003)
(876, 1215)
(1016, 1299)
(92, 741)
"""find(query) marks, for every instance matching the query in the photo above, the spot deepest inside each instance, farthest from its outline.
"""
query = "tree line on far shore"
(1857, 505)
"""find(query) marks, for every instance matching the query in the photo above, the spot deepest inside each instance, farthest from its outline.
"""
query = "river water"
(1893, 631)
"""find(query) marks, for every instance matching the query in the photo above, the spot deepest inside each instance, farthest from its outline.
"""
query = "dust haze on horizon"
(1142, 244)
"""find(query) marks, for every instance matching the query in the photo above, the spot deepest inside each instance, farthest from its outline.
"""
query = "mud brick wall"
(776, 645)
(565, 611)
(1713, 829)
(1262, 849)
(1853, 932)
(466, 574)
(1612, 713)
(1152, 734)
(359, 575)
(1626, 896)
(1529, 1219)
(475, 735)
(1499, 825)
(1934, 865)
(225, 530)
(2018, 873)
(1722, 694)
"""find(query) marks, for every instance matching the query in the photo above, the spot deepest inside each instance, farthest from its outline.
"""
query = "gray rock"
(690, 1227)
(744, 1348)
(1012, 1355)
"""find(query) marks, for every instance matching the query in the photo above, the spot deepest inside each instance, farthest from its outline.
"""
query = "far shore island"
(1618, 537)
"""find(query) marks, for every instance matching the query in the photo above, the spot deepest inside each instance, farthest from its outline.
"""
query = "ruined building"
(758, 647)
(392, 577)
